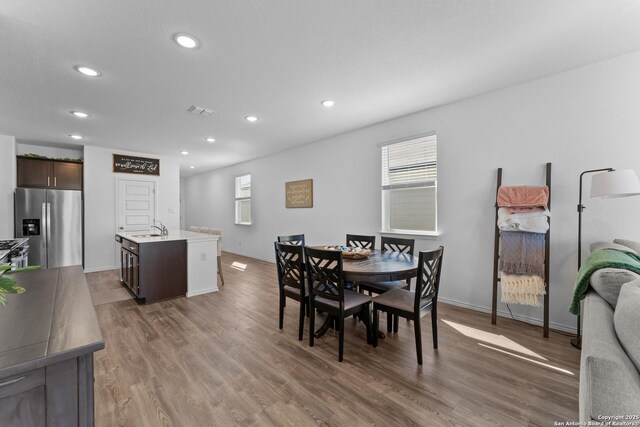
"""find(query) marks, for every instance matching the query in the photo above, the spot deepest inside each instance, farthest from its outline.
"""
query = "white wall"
(7, 184)
(582, 119)
(100, 202)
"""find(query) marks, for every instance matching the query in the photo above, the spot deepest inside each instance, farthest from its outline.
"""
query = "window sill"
(427, 235)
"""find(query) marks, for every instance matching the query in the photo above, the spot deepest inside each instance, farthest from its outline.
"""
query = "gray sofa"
(610, 361)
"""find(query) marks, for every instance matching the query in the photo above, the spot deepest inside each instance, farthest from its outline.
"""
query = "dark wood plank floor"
(219, 359)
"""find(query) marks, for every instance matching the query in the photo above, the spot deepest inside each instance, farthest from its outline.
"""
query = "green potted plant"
(9, 285)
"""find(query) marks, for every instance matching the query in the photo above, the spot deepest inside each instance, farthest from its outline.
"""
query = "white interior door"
(136, 205)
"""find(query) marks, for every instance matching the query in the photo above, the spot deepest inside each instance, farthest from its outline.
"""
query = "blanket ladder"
(496, 257)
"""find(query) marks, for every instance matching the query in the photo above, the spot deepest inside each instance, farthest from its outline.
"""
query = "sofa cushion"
(608, 281)
(596, 246)
(632, 244)
(626, 320)
(609, 381)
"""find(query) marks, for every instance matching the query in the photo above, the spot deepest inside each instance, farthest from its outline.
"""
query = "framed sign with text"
(299, 194)
(123, 163)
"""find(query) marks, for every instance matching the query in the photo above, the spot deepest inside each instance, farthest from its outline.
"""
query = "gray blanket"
(522, 253)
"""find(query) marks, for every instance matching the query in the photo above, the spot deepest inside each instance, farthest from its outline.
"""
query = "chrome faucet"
(163, 230)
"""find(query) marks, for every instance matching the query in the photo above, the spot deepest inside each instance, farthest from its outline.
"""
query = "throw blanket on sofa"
(604, 258)
(522, 253)
(522, 198)
(532, 222)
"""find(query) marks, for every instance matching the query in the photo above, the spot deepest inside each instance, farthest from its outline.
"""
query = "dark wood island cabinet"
(154, 271)
(47, 339)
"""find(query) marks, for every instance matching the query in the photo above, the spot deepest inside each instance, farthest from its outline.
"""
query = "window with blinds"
(243, 200)
(409, 185)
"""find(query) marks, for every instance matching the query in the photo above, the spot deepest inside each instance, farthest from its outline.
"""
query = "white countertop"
(189, 236)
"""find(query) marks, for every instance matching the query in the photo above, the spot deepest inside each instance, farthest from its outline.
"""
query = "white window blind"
(409, 185)
(243, 200)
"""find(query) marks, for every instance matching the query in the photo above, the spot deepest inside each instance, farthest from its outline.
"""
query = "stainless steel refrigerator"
(52, 220)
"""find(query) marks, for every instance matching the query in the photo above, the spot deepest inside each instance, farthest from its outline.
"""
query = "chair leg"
(416, 326)
(220, 271)
(389, 322)
(366, 312)
(312, 318)
(376, 321)
(281, 312)
(434, 326)
(396, 320)
(301, 322)
(341, 341)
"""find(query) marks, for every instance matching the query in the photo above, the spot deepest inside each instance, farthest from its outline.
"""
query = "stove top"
(6, 245)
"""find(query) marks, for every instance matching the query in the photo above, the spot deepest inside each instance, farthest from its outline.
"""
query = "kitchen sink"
(142, 236)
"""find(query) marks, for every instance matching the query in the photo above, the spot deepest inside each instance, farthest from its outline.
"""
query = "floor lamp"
(608, 184)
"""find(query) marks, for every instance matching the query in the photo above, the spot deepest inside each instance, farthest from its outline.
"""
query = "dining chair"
(359, 241)
(295, 239)
(291, 283)
(390, 244)
(414, 305)
(326, 292)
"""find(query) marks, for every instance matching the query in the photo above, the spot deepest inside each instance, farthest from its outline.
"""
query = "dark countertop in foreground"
(54, 320)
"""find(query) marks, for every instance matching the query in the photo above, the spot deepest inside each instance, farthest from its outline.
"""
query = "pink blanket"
(523, 199)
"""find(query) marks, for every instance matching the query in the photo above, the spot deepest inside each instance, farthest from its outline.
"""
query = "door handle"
(121, 228)
(55, 181)
(48, 181)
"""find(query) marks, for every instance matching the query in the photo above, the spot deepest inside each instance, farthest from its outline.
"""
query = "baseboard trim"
(532, 320)
(95, 270)
(202, 292)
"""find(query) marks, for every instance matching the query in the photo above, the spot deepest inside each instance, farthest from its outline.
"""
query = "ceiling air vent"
(200, 111)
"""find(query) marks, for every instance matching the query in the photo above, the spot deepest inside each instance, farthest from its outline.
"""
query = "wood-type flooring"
(219, 359)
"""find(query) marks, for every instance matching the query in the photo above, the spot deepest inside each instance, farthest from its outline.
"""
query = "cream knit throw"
(522, 289)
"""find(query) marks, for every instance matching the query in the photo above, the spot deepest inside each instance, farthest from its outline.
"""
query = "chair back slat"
(324, 273)
(428, 281)
(360, 241)
(290, 265)
(295, 239)
(394, 244)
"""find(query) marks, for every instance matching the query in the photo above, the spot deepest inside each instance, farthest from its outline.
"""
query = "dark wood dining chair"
(360, 241)
(326, 292)
(291, 283)
(390, 244)
(414, 305)
(295, 239)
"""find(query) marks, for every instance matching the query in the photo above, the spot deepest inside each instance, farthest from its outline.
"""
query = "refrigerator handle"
(48, 223)
(45, 229)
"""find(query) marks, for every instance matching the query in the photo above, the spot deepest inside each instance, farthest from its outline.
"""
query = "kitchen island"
(156, 267)
(47, 339)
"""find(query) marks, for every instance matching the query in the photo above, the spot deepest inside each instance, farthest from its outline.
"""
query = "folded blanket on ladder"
(522, 253)
(523, 198)
(532, 222)
(522, 289)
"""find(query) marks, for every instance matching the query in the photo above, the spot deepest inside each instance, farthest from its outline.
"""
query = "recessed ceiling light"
(328, 103)
(185, 40)
(251, 118)
(184, 153)
(80, 114)
(210, 139)
(192, 167)
(75, 136)
(87, 71)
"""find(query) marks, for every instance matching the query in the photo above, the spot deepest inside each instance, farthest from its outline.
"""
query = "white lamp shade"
(616, 183)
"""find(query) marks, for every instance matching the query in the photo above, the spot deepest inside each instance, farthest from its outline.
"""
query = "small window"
(243, 200)
(409, 186)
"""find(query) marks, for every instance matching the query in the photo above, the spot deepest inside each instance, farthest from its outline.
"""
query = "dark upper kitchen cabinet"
(44, 173)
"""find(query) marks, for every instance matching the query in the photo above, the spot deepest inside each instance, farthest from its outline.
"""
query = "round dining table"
(380, 266)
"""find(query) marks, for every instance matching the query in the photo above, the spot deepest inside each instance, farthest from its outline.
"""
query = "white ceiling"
(276, 60)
